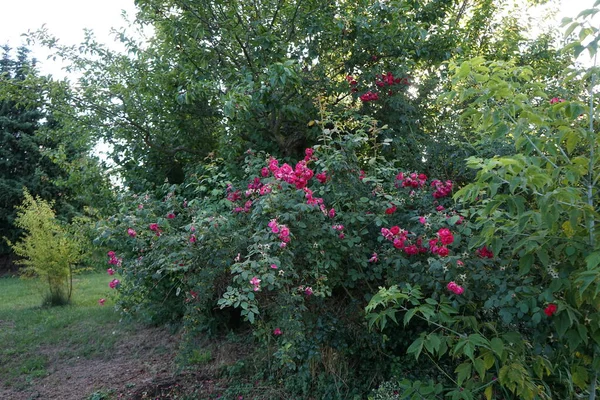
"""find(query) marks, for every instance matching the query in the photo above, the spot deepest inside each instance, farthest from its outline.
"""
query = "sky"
(66, 19)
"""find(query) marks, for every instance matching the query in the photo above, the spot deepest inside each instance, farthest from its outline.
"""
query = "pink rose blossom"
(284, 232)
(101, 301)
(110, 271)
(131, 232)
(273, 266)
(256, 283)
(114, 283)
(454, 288)
(277, 332)
(322, 177)
(445, 236)
(443, 251)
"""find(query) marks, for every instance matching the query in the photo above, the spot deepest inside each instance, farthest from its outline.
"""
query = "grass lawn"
(83, 351)
(33, 336)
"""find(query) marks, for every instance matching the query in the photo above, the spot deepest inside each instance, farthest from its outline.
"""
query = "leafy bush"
(297, 251)
(48, 251)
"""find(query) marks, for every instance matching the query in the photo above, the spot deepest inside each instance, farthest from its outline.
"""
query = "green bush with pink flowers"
(357, 276)
(296, 251)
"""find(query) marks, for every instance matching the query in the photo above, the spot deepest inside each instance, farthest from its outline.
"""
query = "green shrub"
(48, 252)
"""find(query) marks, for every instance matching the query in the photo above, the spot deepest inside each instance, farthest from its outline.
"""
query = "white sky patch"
(64, 19)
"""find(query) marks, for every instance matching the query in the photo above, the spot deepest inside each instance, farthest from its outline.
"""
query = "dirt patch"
(141, 367)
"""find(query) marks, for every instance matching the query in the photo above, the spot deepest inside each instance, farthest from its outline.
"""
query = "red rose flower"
(551, 309)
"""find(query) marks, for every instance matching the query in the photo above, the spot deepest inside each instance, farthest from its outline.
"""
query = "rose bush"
(295, 250)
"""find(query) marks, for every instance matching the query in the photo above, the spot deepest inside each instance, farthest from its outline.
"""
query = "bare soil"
(142, 367)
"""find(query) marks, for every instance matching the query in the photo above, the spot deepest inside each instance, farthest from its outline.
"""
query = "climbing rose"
(411, 250)
(101, 301)
(114, 283)
(445, 236)
(551, 309)
(131, 232)
(110, 271)
(273, 266)
(484, 252)
(154, 227)
(170, 215)
(256, 283)
(390, 210)
(193, 239)
(443, 251)
(454, 288)
(277, 332)
(369, 96)
(322, 177)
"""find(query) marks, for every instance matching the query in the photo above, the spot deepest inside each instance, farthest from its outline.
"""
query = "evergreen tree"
(22, 160)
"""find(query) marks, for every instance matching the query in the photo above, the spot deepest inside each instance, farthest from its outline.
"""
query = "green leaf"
(525, 264)
(572, 140)
(464, 70)
(574, 110)
(416, 347)
(593, 260)
(585, 279)
(585, 13)
(571, 28)
(580, 376)
(463, 371)
(432, 343)
(409, 314)
(479, 367)
(497, 346)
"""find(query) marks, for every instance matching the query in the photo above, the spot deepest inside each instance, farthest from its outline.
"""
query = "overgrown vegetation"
(385, 199)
